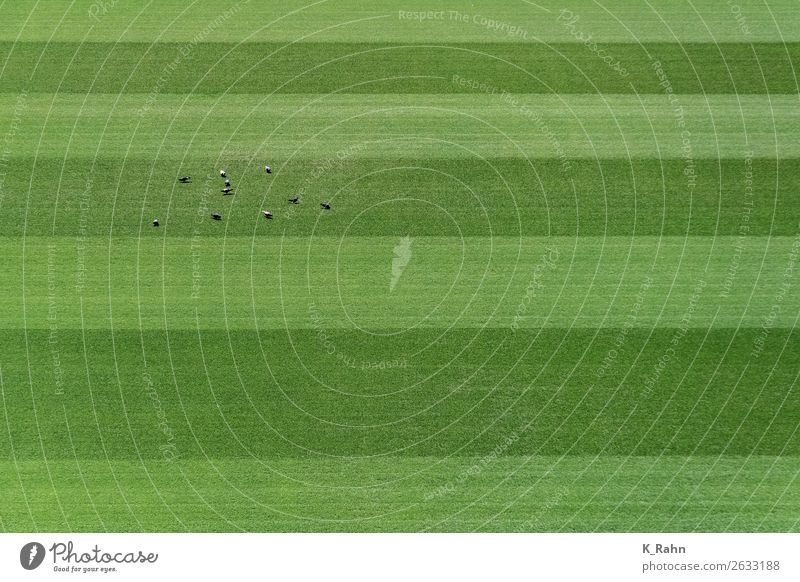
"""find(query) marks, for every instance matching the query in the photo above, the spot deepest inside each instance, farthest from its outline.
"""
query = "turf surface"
(550, 295)
(383, 68)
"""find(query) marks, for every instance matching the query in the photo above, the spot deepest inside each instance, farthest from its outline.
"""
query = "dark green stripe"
(370, 67)
(511, 494)
(713, 395)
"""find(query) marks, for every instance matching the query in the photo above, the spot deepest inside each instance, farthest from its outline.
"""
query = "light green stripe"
(393, 21)
(400, 494)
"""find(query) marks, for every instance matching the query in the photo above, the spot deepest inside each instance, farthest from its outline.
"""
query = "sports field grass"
(551, 294)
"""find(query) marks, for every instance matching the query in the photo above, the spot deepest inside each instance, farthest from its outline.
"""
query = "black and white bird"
(184, 179)
(216, 216)
(294, 200)
(325, 205)
(267, 214)
(267, 169)
(155, 222)
(227, 182)
(222, 173)
(226, 190)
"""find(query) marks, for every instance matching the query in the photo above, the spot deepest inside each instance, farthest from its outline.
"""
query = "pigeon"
(325, 205)
(155, 222)
(267, 169)
(216, 216)
(267, 214)
(226, 190)
(227, 182)
(222, 173)
(184, 179)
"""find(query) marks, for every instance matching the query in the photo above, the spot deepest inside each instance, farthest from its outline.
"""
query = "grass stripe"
(259, 283)
(557, 290)
(279, 394)
(466, 127)
(370, 68)
(538, 494)
(493, 196)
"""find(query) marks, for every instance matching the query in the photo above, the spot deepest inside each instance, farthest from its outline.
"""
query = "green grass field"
(558, 288)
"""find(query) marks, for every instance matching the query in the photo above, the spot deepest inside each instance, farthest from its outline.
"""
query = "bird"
(222, 173)
(184, 179)
(294, 200)
(267, 169)
(267, 214)
(325, 205)
(216, 216)
(155, 222)
(226, 190)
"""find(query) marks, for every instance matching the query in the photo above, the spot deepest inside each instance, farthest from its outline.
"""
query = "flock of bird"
(228, 190)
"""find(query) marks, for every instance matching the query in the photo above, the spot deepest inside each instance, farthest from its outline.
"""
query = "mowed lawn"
(553, 292)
